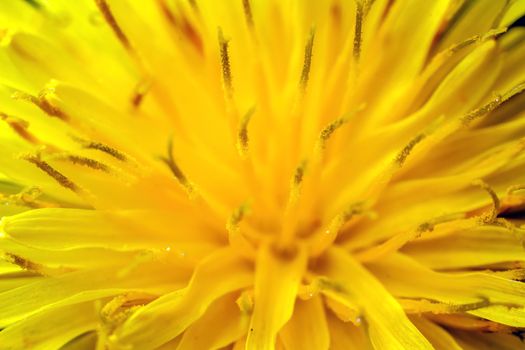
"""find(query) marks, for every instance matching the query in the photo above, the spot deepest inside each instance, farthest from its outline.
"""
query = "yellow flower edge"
(262, 174)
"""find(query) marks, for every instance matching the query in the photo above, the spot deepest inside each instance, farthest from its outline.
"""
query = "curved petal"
(277, 280)
(388, 326)
(168, 316)
(308, 319)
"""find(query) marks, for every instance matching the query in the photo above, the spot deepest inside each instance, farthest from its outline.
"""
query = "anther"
(327, 132)
(242, 135)
(43, 101)
(177, 172)
(358, 32)
(299, 173)
(492, 105)
(515, 188)
(225, 63)
(141, 89)
(24, 263)
(112, 22)
(405, 152)
(102, 148)
(55, 174)
(194, 6)
(184, 26)
(248, 13)
(20, 126)
(481, 111)
(235, 236)
(492, 215)
(245, 302)
(324, 239)
(308, 51)
(88, 162)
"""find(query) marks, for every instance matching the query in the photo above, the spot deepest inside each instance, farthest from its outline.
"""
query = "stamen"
(291, 211)
(141, 89)
(225, 63)
(307, 60)
(35, 3)
(492, 105)
(358, 32)
(324, 239)
(492, 215)
(344, 312)
(112, 22)
(327, 132)
(422, 305)
(56, 175)
(248, 13)
(299, 174)
(491, 34)
(194, 6)
(242, 135)
(184, 26)
(103, 148)
(245, 302)
(235, 237)
(399, 240)
(405, 152)
(28, 198)
(177, 172)
(20, 127)
(515, 188)
(43, 101)
(368, 6)
(88, 162)
(24, 263)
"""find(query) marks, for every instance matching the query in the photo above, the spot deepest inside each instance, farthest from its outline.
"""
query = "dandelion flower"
(262, 174)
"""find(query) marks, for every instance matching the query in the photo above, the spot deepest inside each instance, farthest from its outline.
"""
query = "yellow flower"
(260, 174)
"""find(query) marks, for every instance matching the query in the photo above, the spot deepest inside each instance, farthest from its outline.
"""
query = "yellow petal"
(475, 247)
(488, 341)
(77, 287)
(221, 325)
(439, 337)
(345, 335)
(50, 329)
(308, 319)
(168, 316)
(404, 277)
(388, 326)
(277, 280)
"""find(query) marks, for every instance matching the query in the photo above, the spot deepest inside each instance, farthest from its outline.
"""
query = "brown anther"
(225, 63)
(20, 126)
(307, 64)
(24, 263)
(102, 148)
(242, 135)
(405, 152)
(358, 31)
(248, 13)
(112, 22)
(55, 174)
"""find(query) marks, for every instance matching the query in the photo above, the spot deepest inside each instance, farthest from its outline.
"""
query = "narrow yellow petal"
(345, 335)
(388, 326)
(168, 316)
(221, 325)
(438, 337)
(277, 280)
(308, 318)
(50, 329)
